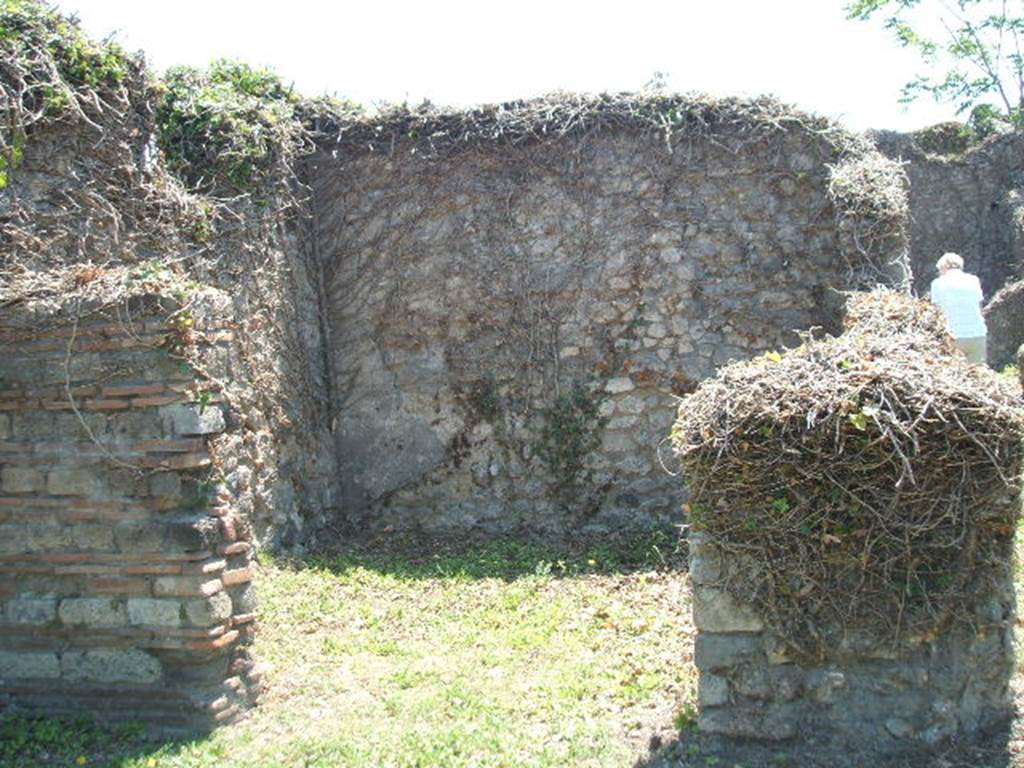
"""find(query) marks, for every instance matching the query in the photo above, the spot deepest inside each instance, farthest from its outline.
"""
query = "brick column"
(124, 573)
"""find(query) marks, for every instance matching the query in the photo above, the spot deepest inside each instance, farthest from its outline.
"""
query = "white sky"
(456, 52)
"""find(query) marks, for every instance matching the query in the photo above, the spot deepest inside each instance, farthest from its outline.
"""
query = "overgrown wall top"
(89, 216)
(516, 296)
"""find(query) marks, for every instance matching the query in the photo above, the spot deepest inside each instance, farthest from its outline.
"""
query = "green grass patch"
(413, 653)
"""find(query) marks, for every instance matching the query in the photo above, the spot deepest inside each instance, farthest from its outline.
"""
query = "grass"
(406, 653)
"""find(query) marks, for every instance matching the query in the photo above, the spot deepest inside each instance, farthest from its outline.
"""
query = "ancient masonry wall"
(510, 323)
(749, 687)
(971, 203)
(1004, 317)
(124, 567)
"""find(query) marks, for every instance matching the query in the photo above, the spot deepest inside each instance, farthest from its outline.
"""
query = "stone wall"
(90, 213)
(967, 202)
(1004, 316)
(489, 337)
(956, 684)
(124, 548)
(511, 320)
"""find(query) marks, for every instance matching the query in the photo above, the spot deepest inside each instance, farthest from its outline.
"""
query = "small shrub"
(571, 430)
(51, 71)
(226, 128)
(222, 129)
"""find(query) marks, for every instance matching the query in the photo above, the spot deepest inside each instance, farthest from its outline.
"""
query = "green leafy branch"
(978, 55)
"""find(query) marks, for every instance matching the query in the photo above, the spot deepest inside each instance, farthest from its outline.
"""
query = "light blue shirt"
(959, 296)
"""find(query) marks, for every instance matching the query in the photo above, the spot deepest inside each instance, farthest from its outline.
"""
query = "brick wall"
(124, 570)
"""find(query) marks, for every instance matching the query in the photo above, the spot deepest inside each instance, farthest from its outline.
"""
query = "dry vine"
(91, 216)
(868, 484)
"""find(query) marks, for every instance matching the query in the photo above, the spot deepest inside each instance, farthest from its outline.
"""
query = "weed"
(56, 67)
(570, 431)
(484, 400)
(685, 720)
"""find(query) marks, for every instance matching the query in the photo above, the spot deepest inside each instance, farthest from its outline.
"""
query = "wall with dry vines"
(89, 213)
(967, 200)
(854, 506)
(517, 294)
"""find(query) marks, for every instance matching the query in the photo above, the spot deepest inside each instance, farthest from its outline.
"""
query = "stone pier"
(956, 684)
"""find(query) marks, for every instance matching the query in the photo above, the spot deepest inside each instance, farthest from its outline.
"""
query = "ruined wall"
(968, 202)
(1004, 316)
(511, 319)
(852, 525)
(62, 242)
(124, 547)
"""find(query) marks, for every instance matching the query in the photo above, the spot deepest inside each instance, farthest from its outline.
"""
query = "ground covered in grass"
(406, 652)
(403, 653)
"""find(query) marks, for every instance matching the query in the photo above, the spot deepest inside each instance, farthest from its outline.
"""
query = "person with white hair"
(959, 296)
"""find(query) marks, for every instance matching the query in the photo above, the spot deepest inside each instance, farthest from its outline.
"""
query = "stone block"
(899, 728)
(828, 686)
(712, 652)
(30, 611)
(96, 612)
(110, 666)
(139, 537)
(766, 683)
(618, 385)
(656, 331)
(21, 480)
(33, 539)
(28, 665)
(768, 723)
(71, 482)
(705, 563)
(631, 404)
(622, 422)
(618, 442)
(165, 484)
(712, 690)
(188, 419)
(151, 612)
(186, 586)
(92, 537)
(210, 612)
(192, 534)
(244, 598)
(715, 610)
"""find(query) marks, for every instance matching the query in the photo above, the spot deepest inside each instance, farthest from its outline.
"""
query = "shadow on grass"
(31, 741)
(692, 749)
(416, 556)
(28, 741)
